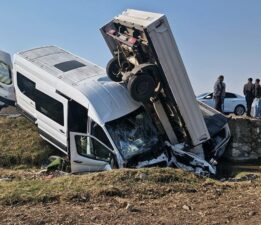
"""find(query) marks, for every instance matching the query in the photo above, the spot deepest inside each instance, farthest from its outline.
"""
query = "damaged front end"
(138, 140)
(142, 143)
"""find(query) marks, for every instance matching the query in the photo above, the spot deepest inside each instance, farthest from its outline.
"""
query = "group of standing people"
(252, 93)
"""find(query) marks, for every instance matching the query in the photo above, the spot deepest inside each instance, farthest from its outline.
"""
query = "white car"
(233, 103)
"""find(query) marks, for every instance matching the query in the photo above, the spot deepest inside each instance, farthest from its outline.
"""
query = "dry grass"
(147, 183)
(153, 183)
(21, 145)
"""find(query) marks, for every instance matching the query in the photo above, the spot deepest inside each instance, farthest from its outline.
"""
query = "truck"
(147, 61)
(139, 112)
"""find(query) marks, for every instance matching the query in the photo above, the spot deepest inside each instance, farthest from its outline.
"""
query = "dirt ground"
(148, 196)
(8, 110)
(204, 202)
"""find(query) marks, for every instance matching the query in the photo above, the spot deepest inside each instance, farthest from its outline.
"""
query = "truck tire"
(113, 70)
(141, 87)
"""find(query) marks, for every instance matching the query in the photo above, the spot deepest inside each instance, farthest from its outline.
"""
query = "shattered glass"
(133, 134)
(5, 75)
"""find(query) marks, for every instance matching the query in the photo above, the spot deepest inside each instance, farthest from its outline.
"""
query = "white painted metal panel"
(138, 18)
(105, 99)
(24, 102)
(80, 163)
(178, 80)
(36, 53)
(47, 57)
(50, 127)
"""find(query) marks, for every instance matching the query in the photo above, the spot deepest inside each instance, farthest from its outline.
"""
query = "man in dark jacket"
(257, 89)
(219, 93)
(249, 92)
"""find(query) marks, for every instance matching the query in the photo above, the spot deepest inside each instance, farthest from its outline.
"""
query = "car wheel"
(239, 110)
(141, 87)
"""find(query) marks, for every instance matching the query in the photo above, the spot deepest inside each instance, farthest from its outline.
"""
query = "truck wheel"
(113, 70)
(141, 87)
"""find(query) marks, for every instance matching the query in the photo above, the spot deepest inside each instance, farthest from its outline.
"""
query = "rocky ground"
(8, 110)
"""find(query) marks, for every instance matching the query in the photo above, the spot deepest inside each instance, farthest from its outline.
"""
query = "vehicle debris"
(6, 179)
(57, 163)
(143, 114)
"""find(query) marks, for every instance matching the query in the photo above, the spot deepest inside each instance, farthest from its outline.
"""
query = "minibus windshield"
(134, 133)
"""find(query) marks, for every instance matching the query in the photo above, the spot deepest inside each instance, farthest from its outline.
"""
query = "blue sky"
(214, 36)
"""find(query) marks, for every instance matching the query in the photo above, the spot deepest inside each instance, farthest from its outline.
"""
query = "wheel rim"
(240, 110)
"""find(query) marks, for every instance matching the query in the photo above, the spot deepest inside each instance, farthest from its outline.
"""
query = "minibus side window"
(26, 86)
(77, 117)
(89, 147)
(99, 133)
(49, 107)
